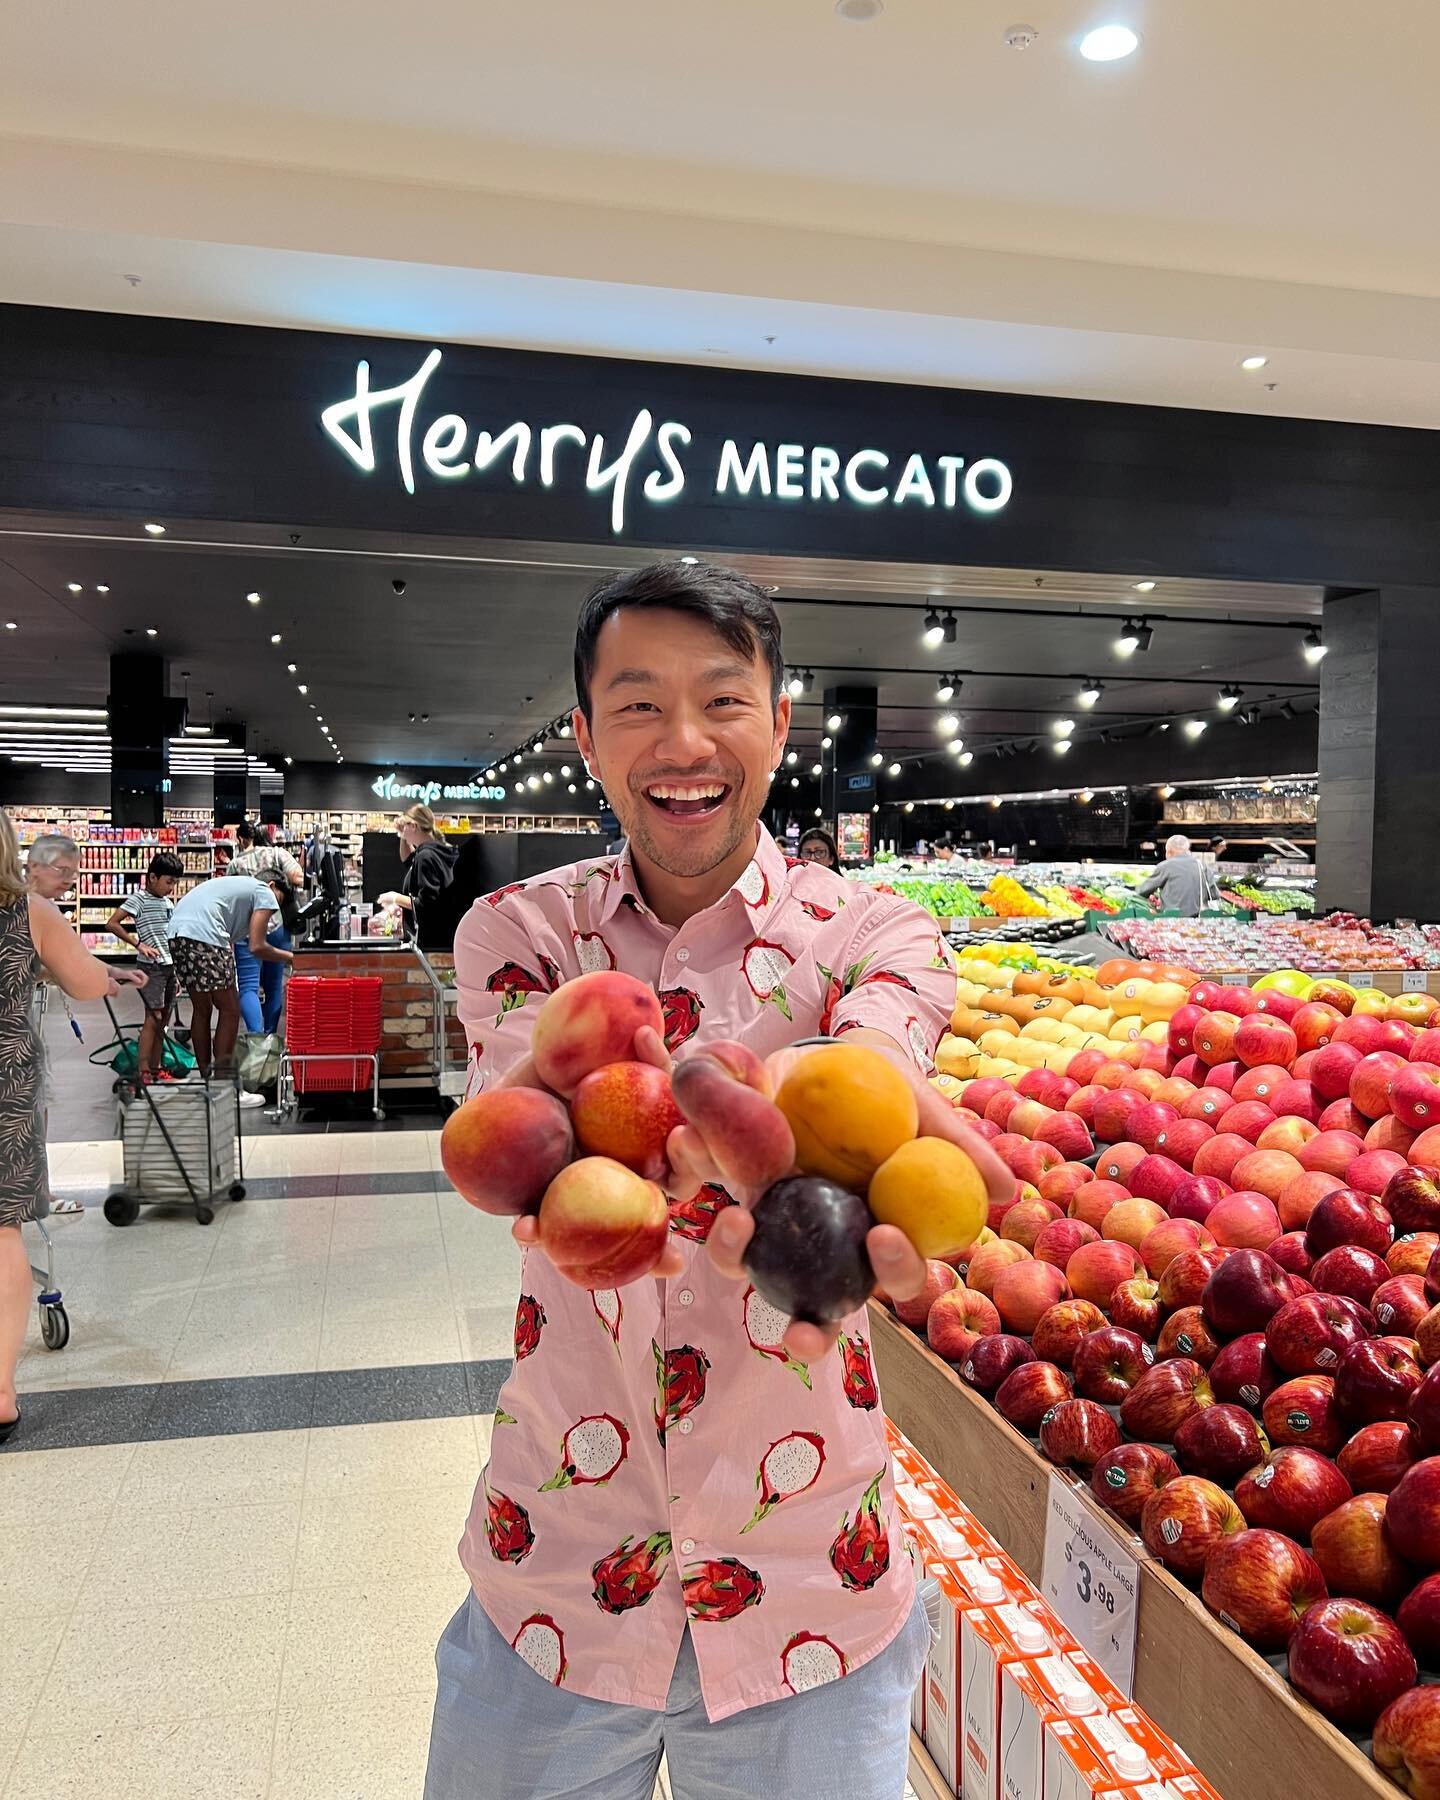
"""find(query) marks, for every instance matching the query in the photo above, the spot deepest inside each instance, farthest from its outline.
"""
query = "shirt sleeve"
(899, 978)
(1156, 883)
(502, 985)
(130, 905)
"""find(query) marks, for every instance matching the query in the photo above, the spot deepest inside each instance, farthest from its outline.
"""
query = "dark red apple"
(1221, 1443)
(1377, 1456)
(992, 1358)
(1194, 1198)
(1349, 1270)
(1148, 1121)
(1183, 1021)
(1424, 1414)
(1108, 1363)
(1184, 1281)
(1125, 1478)
(1376, 1379)
(1419, 1619)
(1184, 1522)
(1432, 1277)
(1412, 1514)
(1313, 1333)
(1028, 1392)
(1347, 1216)
(1412, 1199)
(1077, 1433)
(1290, 1253)
(1186, 1333)
(1355, 1556)
(1261, 1584)
(1243, 1374)
(1303, 1411)
(1061, 1327)
(1399, 1304)
(1244, 1293)
(1291, 1491)
(1350, 1661)
(1163, 1398)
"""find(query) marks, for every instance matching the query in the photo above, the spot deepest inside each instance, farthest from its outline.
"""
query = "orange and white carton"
(1134, 1747)
(1193, 1787)
(1034, 1695)
(1073, 1768)
(991, 1638)
(961, 1588)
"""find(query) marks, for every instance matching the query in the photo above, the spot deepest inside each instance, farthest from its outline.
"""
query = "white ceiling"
(691, 178)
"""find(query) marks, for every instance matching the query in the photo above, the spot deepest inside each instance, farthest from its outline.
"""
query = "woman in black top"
(429, 865)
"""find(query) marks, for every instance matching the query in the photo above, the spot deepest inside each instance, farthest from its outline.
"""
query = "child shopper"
(142, 919)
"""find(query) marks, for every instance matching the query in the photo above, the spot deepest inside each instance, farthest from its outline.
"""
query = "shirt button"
(686, 1546)
(682, 956)
(686, 1427)
(685, 1297)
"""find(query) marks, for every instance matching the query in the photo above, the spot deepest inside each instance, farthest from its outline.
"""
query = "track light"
(792, 757)
(934, 632)
(1063, 727)
(947, 724)
(948, 687)
(1229, 698)
(795, 686)
(1143, 635)
(1313, 646)
(1128, 642)
(966, 758)
(955, 746)
(809, 680)
(894, 769)
(1248, 715)
(827, 743)
(876, 760)
(1062, 747)
(1090, 691)
(1194, 728)
(1287, 710)
(949, 629)
(834, 722)
(815, 769)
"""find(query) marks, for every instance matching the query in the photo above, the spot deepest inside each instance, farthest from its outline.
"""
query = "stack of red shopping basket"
(332, 1017)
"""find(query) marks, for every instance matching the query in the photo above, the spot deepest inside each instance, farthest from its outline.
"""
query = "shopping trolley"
(170, 1131)
(332, 1040)
(54, 1320)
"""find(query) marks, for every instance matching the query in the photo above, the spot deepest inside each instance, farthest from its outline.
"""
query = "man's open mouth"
(688, 800)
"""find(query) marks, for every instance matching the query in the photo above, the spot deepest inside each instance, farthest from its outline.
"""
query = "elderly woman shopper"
(32, 932)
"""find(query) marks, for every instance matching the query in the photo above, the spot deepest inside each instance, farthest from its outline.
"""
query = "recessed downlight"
(1109, 43)
(155, 530)
(1251, 363)
(858, 12)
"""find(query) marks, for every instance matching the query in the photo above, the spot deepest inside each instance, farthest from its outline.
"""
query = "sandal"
(71, 1205)
(9, 1428)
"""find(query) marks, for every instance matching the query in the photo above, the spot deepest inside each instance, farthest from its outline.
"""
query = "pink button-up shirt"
(657, 1458)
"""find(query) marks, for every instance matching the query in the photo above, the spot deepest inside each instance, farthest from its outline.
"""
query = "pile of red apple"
(1228, 1320)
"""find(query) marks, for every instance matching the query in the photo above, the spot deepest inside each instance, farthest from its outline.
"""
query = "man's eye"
(640, 706)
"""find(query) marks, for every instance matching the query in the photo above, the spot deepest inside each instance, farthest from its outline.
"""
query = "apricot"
(601, 1224)
(503, 1148)
(723, 1091)
(626, 1110)
(589, 1022)
(934, 1193)
(850, 1109)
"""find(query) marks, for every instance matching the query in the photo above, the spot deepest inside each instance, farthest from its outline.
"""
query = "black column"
(142, 717)
(853, 787)
(231, 790)
(1379, 742)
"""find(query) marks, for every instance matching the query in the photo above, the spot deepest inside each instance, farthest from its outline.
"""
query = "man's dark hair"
(733, 607)
(244, 832)
(165, 862)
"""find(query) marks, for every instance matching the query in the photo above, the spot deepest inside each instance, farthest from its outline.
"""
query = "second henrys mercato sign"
(397, 430)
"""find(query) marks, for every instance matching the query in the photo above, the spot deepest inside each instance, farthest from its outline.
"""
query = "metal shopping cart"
(332, 1040)
(54, 1320)
(182, 1142)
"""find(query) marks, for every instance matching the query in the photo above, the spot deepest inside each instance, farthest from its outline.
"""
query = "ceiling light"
(156, 530)
(150, 631)
(995, 800)
(1143, 636)
(548, 778)
(1084, 796)
(571, 788)
(589, 787)
(819, 812)
(519, 787)
(504, 767)
(74, 587)
(876, 760)
(274, 637)
(815, 769)
(1287, 710)
(253, 597)
(539, 742)
(966, 758)
(934, 631)
(1248, 715)
(809, 680)
(1313, 646)
(302, 688)
(834, 722)
(1251, 363)
(792, 757)
(1144, 587)
(1090, 691)
(947, 724)
(288, 761)
(955, 746)
(948, 632)
(795, 686)
(564, 728)
(859, 12)
(100, 588)
(565, 771)
(1109, 43)
(1165, 792)
(518, 756)
(1063, 727)
(1128, 642)
(52, 712)
(532, 782)
(894, 769)
(1062, 747)
(689, 561)
(1195, 728)
(794, 781)
(1229, 698)
(339, 759)
(827, 743)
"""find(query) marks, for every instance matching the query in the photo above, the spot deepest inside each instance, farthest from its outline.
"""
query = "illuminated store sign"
(391, 787)
(653, 456)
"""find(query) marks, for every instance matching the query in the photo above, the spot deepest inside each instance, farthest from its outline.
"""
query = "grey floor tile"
(417, 1391)
(221, 1408)
(64, 1419)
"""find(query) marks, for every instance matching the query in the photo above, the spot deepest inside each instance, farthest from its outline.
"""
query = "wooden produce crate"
(1235, 1715)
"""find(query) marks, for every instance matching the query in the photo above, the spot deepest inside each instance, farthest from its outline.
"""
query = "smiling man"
(685, 1541)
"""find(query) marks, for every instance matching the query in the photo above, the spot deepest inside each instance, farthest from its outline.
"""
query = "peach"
(1161, 1246)
(1063, 1183)
(1025, 1292)
(503, 1148)
(1060, 1239)
(932, 1190)
(939, 1279)
(849, 1108)
(955, 1321)
(1244, 1220)
(1132, 1221)
(1300, 1198)
(987, 1263)
(1093, 1201)
(601, 1224)
(589, 1022)
(1027, 1219)
(626, 1110)
(1267, 1172)
(721, 1091)
(1058, 1331)
(1096, 1270)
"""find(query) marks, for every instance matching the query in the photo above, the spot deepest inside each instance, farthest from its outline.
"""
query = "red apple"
(1361, 1032)
(1119, 1162)
(1109, 1362)
(1155, 1178)
(1183, 1141)
(1261, 1082)
(1376, 1379)
(1283, 1006)
(991, 1359)
(1218, 1157)
(1378, 1455)
(1096, 1270)
(1288, 1134)
(1300, 1198)
(1206, 1105)
(1424, 1413)
(1412, 1199)
(1411, 1252)
(1351, 1271)
(1068, 1134)
(1113, 1108)
(1415, 1095)
(987, 1262)
(1206, 994)
(1406, 1743)
(1242, 1373)
(1290, 1252)
(1185, 1333)
(1147, 1121)
(1244, 1293)
(999, 1107)
(1267, 1172)
(1186, 1521)
(939, 1279)
(1194, 1198)
(957, 1320)
(1182, 1028)
(1314, 1025)
(1427, 1338)
(1163, 1398)
(1124, 1479)
(1160, 1247)
(1030, 1160)
(1262, 1038)
(1135, 1306)
(1398, 1303)
(1222, 1075)
(1183, 1282)
(1061, 1329)
(1344, 1115)
(1291, 1491)
(1398, 1035)
(1077, 1433)
(1371, 1080)
(1419, 1619)
(1028, 1392)
(1332, 1068)
(1310, 1335)
(1025, 1291)
(1351, 1549)
(1084, 1101)
(1246, 1220)
(1295, 1099)
(1215, 1037)
(1261, 1584)
(1371, 1172)
(1425, 1151)
(1247, 1119)
(1091, 1204)
(1237, 999)
(1350, 1661)
(1027, 1118)
(1221, 1443)
(1061, 1184)
(1303, 1411)
(1191, 1069)
(1060, 1239)
(1132, 1221)
(1349, 1216)
(1412, 1514)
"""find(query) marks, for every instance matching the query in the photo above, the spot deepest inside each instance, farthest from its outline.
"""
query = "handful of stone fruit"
(833, 1151)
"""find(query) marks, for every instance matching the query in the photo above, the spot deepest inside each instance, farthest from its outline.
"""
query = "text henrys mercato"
(654, 455)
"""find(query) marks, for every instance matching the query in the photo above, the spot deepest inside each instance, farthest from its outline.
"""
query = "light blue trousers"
(502, 1733)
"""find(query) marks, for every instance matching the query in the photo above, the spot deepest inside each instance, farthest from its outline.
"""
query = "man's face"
(51, 879)
(683, 737)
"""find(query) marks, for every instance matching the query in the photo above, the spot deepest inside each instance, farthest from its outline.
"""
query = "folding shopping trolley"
(332, 1040)
(54, 1320)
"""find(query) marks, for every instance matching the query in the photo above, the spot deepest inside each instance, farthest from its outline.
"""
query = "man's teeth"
(709, 792)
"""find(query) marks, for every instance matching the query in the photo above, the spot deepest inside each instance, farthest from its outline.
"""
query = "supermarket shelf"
(1224, 1704)
(925, 1778)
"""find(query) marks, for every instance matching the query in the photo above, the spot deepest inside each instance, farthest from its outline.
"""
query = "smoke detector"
(859, 12)
(1021, 37)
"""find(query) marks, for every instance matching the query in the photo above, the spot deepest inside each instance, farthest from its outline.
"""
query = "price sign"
(1362, 978)
(1092, 1579)
(1413, 982)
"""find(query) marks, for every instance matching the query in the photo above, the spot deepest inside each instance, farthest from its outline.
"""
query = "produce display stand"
(1233, 1713)
(925, 1778)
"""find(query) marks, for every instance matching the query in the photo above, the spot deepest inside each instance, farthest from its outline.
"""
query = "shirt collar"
(757, 888)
